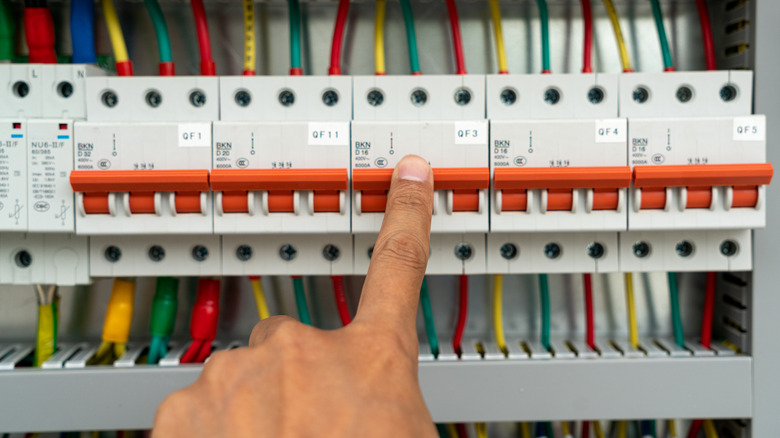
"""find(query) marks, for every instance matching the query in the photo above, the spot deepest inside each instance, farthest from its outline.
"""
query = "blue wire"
(82, 31)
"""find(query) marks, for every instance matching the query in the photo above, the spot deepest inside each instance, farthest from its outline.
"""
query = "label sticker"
(194, 135)
(611, 131)
(329, 134)
(749, 129)
(471, 133)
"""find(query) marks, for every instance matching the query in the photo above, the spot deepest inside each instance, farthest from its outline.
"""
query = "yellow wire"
(565, 429)
(249, 35)
(525, 430)
(114, 31)
(597, 429)
(379, 37)
(481, 430)
(451, 430)
(495, 13)
(633, 335)
(613, 17)
(119, 350)
(709, 429)
(672, 425)
(498, 319)
(262, 306)
(622, 427)
(45, 340)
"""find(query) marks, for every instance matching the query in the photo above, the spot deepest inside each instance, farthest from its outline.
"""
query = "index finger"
(392, 287)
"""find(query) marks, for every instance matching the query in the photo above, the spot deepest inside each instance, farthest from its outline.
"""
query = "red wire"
(706, 34)
(462, 312)
(338, 36)
(39, 33)
(589, 324)
(709, 307)
(585, 429)
(457, 42)
(192, 352)
(462, 432)
(587, 18)
(693, 432)
(203, 354)
(207, 66)
(341, 298)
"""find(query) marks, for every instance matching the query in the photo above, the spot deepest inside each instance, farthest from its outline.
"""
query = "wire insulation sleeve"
(709, 309)
(262, 304)
(633, 334)
(457, 41)
(411, 36)
(463, 309)
(300, 300)
(587, 40)
(163, 38)
(294, 12)
(674, 298)
(165, 304)
(7, 31)
(82, 31)
(379, 38)
(430, 326)
(119, 314)
(207, 65)
(706, 35)
(341, 299)
(498, 312)
(338, 37)
(39, 32)
(495, 13)
(44, 341)
(205, 311)
(621, 42)
(658, 16)
(590, 325)
(124, 66)
(544, 20)
(544, 299)
(250, 51)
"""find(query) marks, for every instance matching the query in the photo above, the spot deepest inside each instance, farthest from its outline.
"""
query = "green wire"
(6, 31)
(659, 23)
(300, 301)
(430, 327)
(544, 295)
(544, 19)
(294, 9)
(156, 351)
(440, 428)
(161, 29)
(411, 35)
(674, 298)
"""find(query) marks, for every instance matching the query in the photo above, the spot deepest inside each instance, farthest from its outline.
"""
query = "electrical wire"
(540, 430)
(498, 313)
(672, 426)
(544, 20)
(633, 333)
(300, 300)
(427, 310)
(165, 304)
(250, 51)
(706, 35)
(203, 322)
(461, 428)
(544, 299)
(341, 299)
(621, 42)
(166, 65)
(338, 36)
(525, 430)
(565, 429)
(658, 16)
(590, 326)
(495, 13)
(481, 429)
(294, 13)
(39, 33)
(82, 31)
(709, 308)
(451, 430)
(379, 38)
(457, 41)
(262, 304)
(46, 336)
(622, 429)
(207, 65)
(709, 429)
(7, 29)
(124, 67)
(585, 429)
(463, 309)
(116, 326)
(597, 429)
(411, 36)
(442, 430)
(693, 431)
(674, 299)
(587, 40)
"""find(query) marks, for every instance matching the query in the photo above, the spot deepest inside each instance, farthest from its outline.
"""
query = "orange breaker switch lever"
(512, 185)
(95, 187)
(279, 187)
(742, 180)
(464, 182)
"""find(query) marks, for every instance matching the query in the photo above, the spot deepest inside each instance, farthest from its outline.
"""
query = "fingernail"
(413, 168)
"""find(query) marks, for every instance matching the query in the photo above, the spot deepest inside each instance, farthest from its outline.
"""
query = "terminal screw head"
(331, 252)
(244, 252)
(65, 89)
(463, 251)
(641, 249)
(153, 98)
(243, 98)
(552, 96)
(375, 97)
(109, 98)
(200, 253)
(330, 97)
(23, 259)
(596, 250)
(508, 96)
(729, 248)
(684, 248)
(596, 95)
(113, 254)
(197, 98)
(287, 252)
(156, 253)
(286, 97)
(552, 250)
(419, 97)
(509, 251)
(462, 96)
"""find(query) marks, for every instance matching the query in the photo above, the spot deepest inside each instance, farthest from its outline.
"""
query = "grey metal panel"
(110, 398)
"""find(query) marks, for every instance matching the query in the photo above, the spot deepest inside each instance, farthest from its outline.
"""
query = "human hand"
(360, 380)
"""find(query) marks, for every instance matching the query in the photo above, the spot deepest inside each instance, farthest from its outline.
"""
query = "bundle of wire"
(587, 45)
(7, 30)
(544, 20)
(338, 37)
(203, 323)
(166, 65)
(116, 327)
(300, 300)
(82, 31)
(207, 65)
(495, 14)
(658, 16)
(621, 42)
(430, 326)
(163, 318)
(294, 11)
(46, 336)
(544, 299)
(457, 41)
(39, 32)
(124, 67)
(249, 38)
(341, 299)
(463, 309)
(262, 305)
(379, 37)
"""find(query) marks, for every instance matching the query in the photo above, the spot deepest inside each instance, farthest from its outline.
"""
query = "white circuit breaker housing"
(558, 164)
(13, 175)
(442, 119)
(280, 175)
(143, 156)
(49, 163)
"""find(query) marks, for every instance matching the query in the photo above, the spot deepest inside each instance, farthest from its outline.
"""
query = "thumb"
(392, 286)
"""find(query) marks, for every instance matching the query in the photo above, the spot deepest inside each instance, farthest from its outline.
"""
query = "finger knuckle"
(403, 249)
(413, 197)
